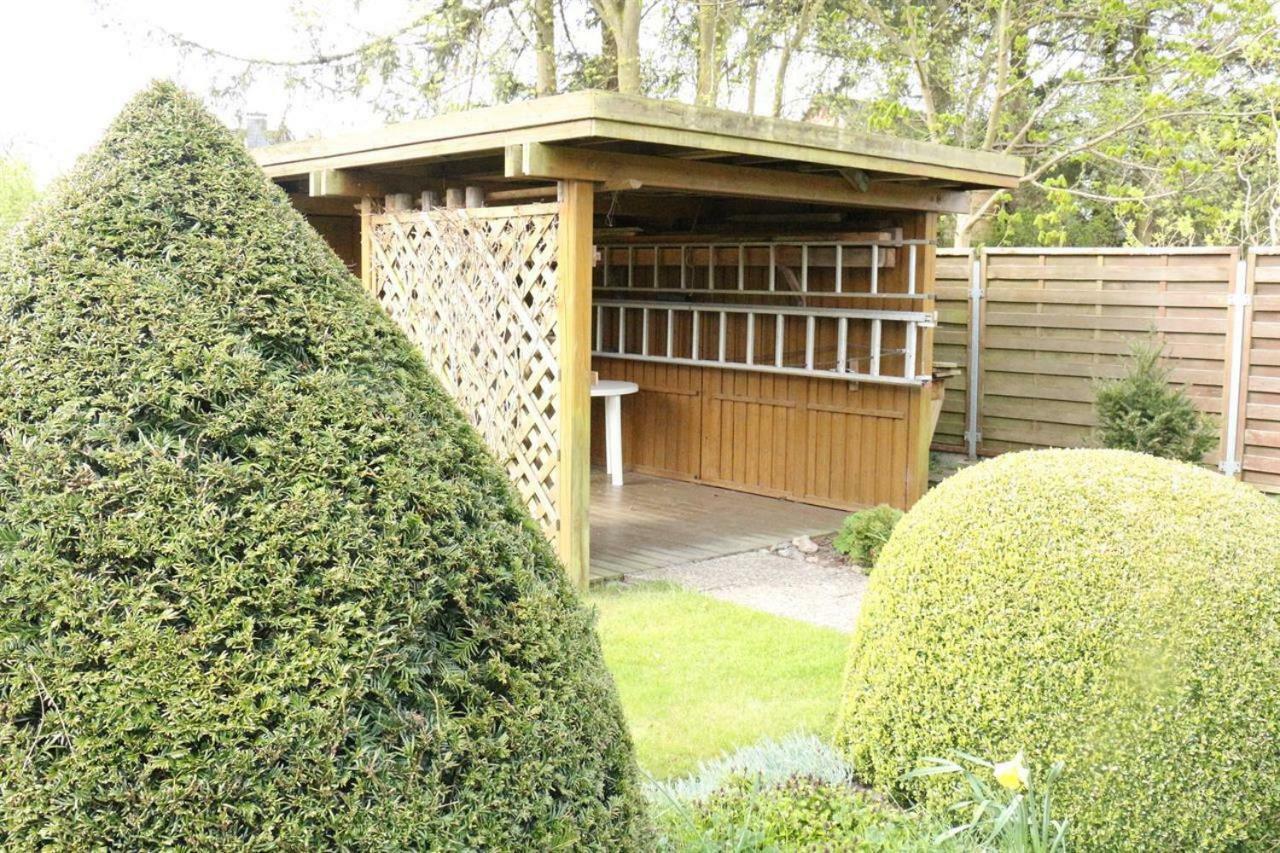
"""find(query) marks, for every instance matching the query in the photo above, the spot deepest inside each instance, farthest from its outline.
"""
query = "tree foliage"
(1146, 122)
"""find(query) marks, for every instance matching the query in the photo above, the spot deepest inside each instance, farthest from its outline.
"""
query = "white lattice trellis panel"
(475, 289)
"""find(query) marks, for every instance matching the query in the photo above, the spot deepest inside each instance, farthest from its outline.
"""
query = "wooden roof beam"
(526, 193)
(554, 162)
(324, 205)
(348, 183)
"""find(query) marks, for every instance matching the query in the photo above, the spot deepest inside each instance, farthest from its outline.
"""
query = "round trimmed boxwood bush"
(260, 583)
(1115, 611)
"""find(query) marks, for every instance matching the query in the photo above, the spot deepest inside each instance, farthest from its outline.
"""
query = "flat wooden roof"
(607, 121)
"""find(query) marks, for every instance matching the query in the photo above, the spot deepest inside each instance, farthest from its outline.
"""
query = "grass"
(700, 677)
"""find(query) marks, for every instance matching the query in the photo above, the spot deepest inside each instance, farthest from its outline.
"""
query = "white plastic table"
(612, 391)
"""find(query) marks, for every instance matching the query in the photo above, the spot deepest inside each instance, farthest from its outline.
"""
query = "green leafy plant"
(864, 534)
(1006, 808)
(799, 813)
(271, 589)
(1144, 412)
(1059, 602)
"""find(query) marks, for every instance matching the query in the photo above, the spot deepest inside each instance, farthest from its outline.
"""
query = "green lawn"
(699, 676)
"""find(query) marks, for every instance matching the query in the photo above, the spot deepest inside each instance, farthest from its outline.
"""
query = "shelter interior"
(768, 285)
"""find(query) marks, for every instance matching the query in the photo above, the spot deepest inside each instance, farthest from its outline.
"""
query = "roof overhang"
(590, 135)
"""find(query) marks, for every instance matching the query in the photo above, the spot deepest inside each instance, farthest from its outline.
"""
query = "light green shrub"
(1111, 610)
(801, 813)
(770, 762)
(264, 587)
(1143, 412)
(864, 534)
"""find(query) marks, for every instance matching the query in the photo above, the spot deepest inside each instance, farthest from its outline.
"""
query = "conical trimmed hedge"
(260, 584)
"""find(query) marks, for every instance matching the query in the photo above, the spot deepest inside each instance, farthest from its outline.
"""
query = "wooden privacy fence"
(1034, 330)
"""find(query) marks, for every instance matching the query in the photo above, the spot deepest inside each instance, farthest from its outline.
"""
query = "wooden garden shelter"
(767, 283)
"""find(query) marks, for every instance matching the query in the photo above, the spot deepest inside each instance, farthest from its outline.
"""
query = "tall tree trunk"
(1003, 40)
(544, 31)
(975, 226)
(609, 57)
(752, 52)
(629, 48)
(808, 11)
(708, 71)
(621, 20)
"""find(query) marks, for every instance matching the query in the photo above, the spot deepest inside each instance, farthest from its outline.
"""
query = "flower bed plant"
(864, 534)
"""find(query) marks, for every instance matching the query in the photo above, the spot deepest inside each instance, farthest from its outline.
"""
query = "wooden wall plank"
(822, 441)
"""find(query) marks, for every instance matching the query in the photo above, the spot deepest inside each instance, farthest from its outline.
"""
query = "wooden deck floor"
(651, 522)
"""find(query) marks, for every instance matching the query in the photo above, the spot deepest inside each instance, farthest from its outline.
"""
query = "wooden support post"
(366, 245)
(923, 226)
(428, 200)
(454, 197)
(399, 202)
(573, 320)
(475, 196)
(344, 183)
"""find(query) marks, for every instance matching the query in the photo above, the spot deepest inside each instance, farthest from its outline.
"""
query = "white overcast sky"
(65, 70)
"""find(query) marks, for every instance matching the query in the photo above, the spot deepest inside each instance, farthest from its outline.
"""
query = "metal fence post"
(972, 432)
(1238, 301)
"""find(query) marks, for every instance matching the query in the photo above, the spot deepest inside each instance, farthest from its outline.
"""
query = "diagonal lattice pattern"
(476, 291)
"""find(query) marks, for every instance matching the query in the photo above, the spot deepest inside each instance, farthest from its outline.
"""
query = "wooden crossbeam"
(324, 206)
(346, 183)
(526, 193)
(539, 160)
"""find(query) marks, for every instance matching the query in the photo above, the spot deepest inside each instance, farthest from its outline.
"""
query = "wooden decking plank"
(652, 522)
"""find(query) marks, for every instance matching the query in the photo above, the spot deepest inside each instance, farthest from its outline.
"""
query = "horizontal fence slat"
(1056, 322)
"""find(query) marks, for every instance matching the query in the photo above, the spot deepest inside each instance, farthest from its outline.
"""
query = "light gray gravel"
(817, 588)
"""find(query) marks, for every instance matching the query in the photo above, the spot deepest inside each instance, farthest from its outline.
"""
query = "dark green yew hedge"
(260, 584)
(1111, 610)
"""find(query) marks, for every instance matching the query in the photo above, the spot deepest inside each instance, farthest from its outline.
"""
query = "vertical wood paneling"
(822, 441)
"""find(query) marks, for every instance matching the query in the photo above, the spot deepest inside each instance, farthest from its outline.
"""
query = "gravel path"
(815, 587)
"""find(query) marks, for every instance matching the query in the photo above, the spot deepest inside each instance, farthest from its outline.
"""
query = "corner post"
(366, 245)
(924, 226)
(927, 270)
(573, 322)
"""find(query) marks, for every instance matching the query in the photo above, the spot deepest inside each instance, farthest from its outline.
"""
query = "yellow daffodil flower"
(1012, 774)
